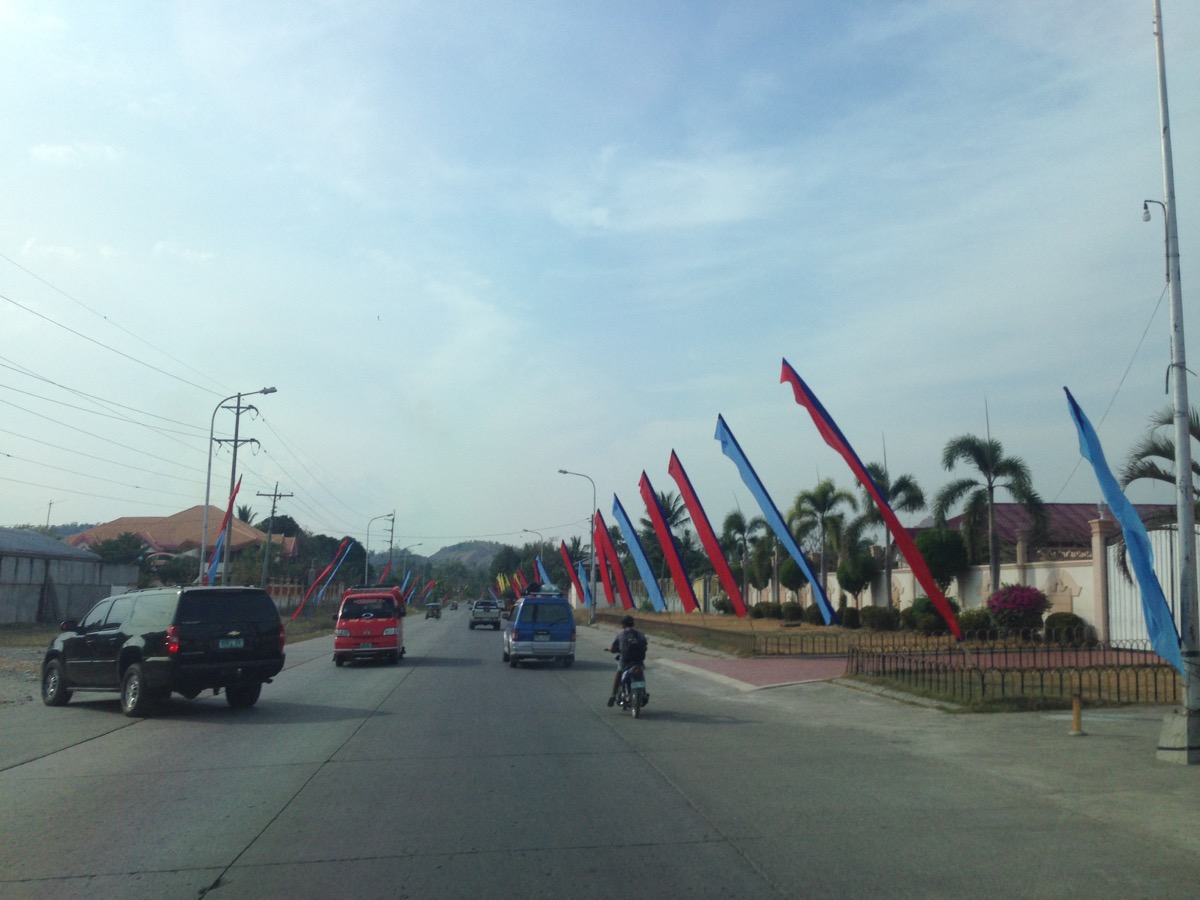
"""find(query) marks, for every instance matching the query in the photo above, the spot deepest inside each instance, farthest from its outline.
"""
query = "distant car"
(146, 644)
(485, 613)
(369, 625)
(540, 627)
(433, 610)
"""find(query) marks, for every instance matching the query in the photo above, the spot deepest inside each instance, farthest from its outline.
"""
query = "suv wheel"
(135, 696)
(54, 685)
(242, 696)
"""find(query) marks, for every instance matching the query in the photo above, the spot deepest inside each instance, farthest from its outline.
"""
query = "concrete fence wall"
(34, 589)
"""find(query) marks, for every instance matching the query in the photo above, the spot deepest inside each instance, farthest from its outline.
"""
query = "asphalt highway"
(454, 775)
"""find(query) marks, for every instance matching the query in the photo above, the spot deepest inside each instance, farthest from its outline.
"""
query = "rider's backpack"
(633, 647)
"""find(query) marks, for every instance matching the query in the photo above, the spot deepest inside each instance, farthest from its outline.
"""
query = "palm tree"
(995, 471)
(245, 514)
(815, 508)
(740, 535)
(1153, 457)
(902, 495)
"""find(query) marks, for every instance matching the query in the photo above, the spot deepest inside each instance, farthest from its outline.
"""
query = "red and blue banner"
(708, 538)
(834, 438)
(317, 581)
(386, 570)
(1160, 622)
(670, 549)
(614, 564)
(579, 592)
(731, 448)
(639, 556)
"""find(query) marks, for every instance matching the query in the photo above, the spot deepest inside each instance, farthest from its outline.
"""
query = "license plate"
(230, 644)
(541, 637)
(364, 646)
(638, 685)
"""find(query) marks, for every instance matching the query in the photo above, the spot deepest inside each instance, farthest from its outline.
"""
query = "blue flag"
(639, 555)
(542, 573)
(731, 448)
(1160, 623)
(587, 588)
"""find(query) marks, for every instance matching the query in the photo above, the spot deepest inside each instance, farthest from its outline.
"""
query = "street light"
(208, 477)
(404, 554)
(367, 546)
(592, 559)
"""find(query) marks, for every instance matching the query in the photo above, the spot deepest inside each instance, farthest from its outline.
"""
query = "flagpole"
(1180, 739)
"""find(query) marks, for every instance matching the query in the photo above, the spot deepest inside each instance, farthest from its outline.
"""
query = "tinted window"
(374, 607)
(546, 613)
(96, 614)
(153, 612)
(121, 608)
(226, 606)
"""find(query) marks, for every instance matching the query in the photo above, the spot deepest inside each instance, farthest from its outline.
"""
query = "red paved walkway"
(772, 671)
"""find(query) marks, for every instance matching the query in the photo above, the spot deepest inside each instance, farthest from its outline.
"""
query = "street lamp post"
(404, 555)
(208, 477)
(367, 546)
(1180, 738)
(592, 555)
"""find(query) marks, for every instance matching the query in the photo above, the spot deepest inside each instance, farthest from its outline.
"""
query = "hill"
(472, 554)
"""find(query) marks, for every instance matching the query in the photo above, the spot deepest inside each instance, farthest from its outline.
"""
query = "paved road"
(455, 776)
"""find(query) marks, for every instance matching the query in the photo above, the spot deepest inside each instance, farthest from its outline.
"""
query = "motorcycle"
(631, 691)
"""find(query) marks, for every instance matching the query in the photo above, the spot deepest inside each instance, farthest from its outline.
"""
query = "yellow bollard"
(1077, 716)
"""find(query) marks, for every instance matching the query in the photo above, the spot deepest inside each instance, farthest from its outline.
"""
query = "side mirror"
(506, 615)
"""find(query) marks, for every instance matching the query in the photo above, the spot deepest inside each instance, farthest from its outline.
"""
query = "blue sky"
(474, 243)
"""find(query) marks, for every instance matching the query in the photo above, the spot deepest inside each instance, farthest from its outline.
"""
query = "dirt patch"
(20, 675)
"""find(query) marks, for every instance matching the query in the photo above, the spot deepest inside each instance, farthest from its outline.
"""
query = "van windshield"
(369, 608)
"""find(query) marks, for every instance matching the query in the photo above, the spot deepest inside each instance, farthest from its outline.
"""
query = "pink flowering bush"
(1018, 607)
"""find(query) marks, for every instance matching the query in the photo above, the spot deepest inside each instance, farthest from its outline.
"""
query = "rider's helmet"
(627, 622)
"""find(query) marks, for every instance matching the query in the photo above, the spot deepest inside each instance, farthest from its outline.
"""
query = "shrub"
(926, 619)
(812, 615)
(766, 610)
(1067, 630)
(1017, 607)
(646, 606)
(792, 612)
(756, 611)
(850, 617)
(723, 605)
(879, 618)
(975, 622)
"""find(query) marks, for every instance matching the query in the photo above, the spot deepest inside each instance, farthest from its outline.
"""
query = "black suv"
(148, 643)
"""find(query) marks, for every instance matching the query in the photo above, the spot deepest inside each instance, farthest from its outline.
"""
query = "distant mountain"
(472, 554)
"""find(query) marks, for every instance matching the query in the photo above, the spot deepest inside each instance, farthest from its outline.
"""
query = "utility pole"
(270, 524)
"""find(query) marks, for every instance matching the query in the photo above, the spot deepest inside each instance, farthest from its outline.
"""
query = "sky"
(473, 243)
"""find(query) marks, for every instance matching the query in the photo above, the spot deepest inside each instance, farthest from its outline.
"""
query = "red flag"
(614, 562)
(707, 536)
(317, 581)
(212, 563)
(387, 569)
(601, 552)
(835, 439)
(670, 549)
(562, 545)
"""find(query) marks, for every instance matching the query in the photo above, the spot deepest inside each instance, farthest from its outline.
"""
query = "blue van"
(540, 626)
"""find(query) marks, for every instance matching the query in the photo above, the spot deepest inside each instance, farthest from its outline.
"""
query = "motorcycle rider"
(630, 647)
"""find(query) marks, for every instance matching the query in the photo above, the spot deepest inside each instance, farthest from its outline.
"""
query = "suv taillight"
(172, 640)
(282, 637)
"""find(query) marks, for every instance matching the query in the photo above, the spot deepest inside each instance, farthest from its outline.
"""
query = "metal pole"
(592, 560)
(237, 421)
(367, 548)
(1185, 495)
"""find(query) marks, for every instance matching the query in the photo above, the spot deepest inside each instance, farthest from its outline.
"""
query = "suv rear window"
(227, 606)
(377, 607)
(546, 613)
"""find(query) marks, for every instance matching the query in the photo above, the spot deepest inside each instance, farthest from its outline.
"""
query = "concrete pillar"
(1102, 530)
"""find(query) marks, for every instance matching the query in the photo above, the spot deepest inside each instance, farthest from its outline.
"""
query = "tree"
(995, 471)
(738, 537)
(126, 548)
(245, 513)
(814, 508)
(945, 553)
(1153, 458)
(280, 524)
(902, 495)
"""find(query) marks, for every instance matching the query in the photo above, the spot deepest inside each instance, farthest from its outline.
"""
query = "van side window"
(121, 608)
(95, 616)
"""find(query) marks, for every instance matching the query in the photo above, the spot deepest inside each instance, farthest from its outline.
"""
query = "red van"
(370, 625)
